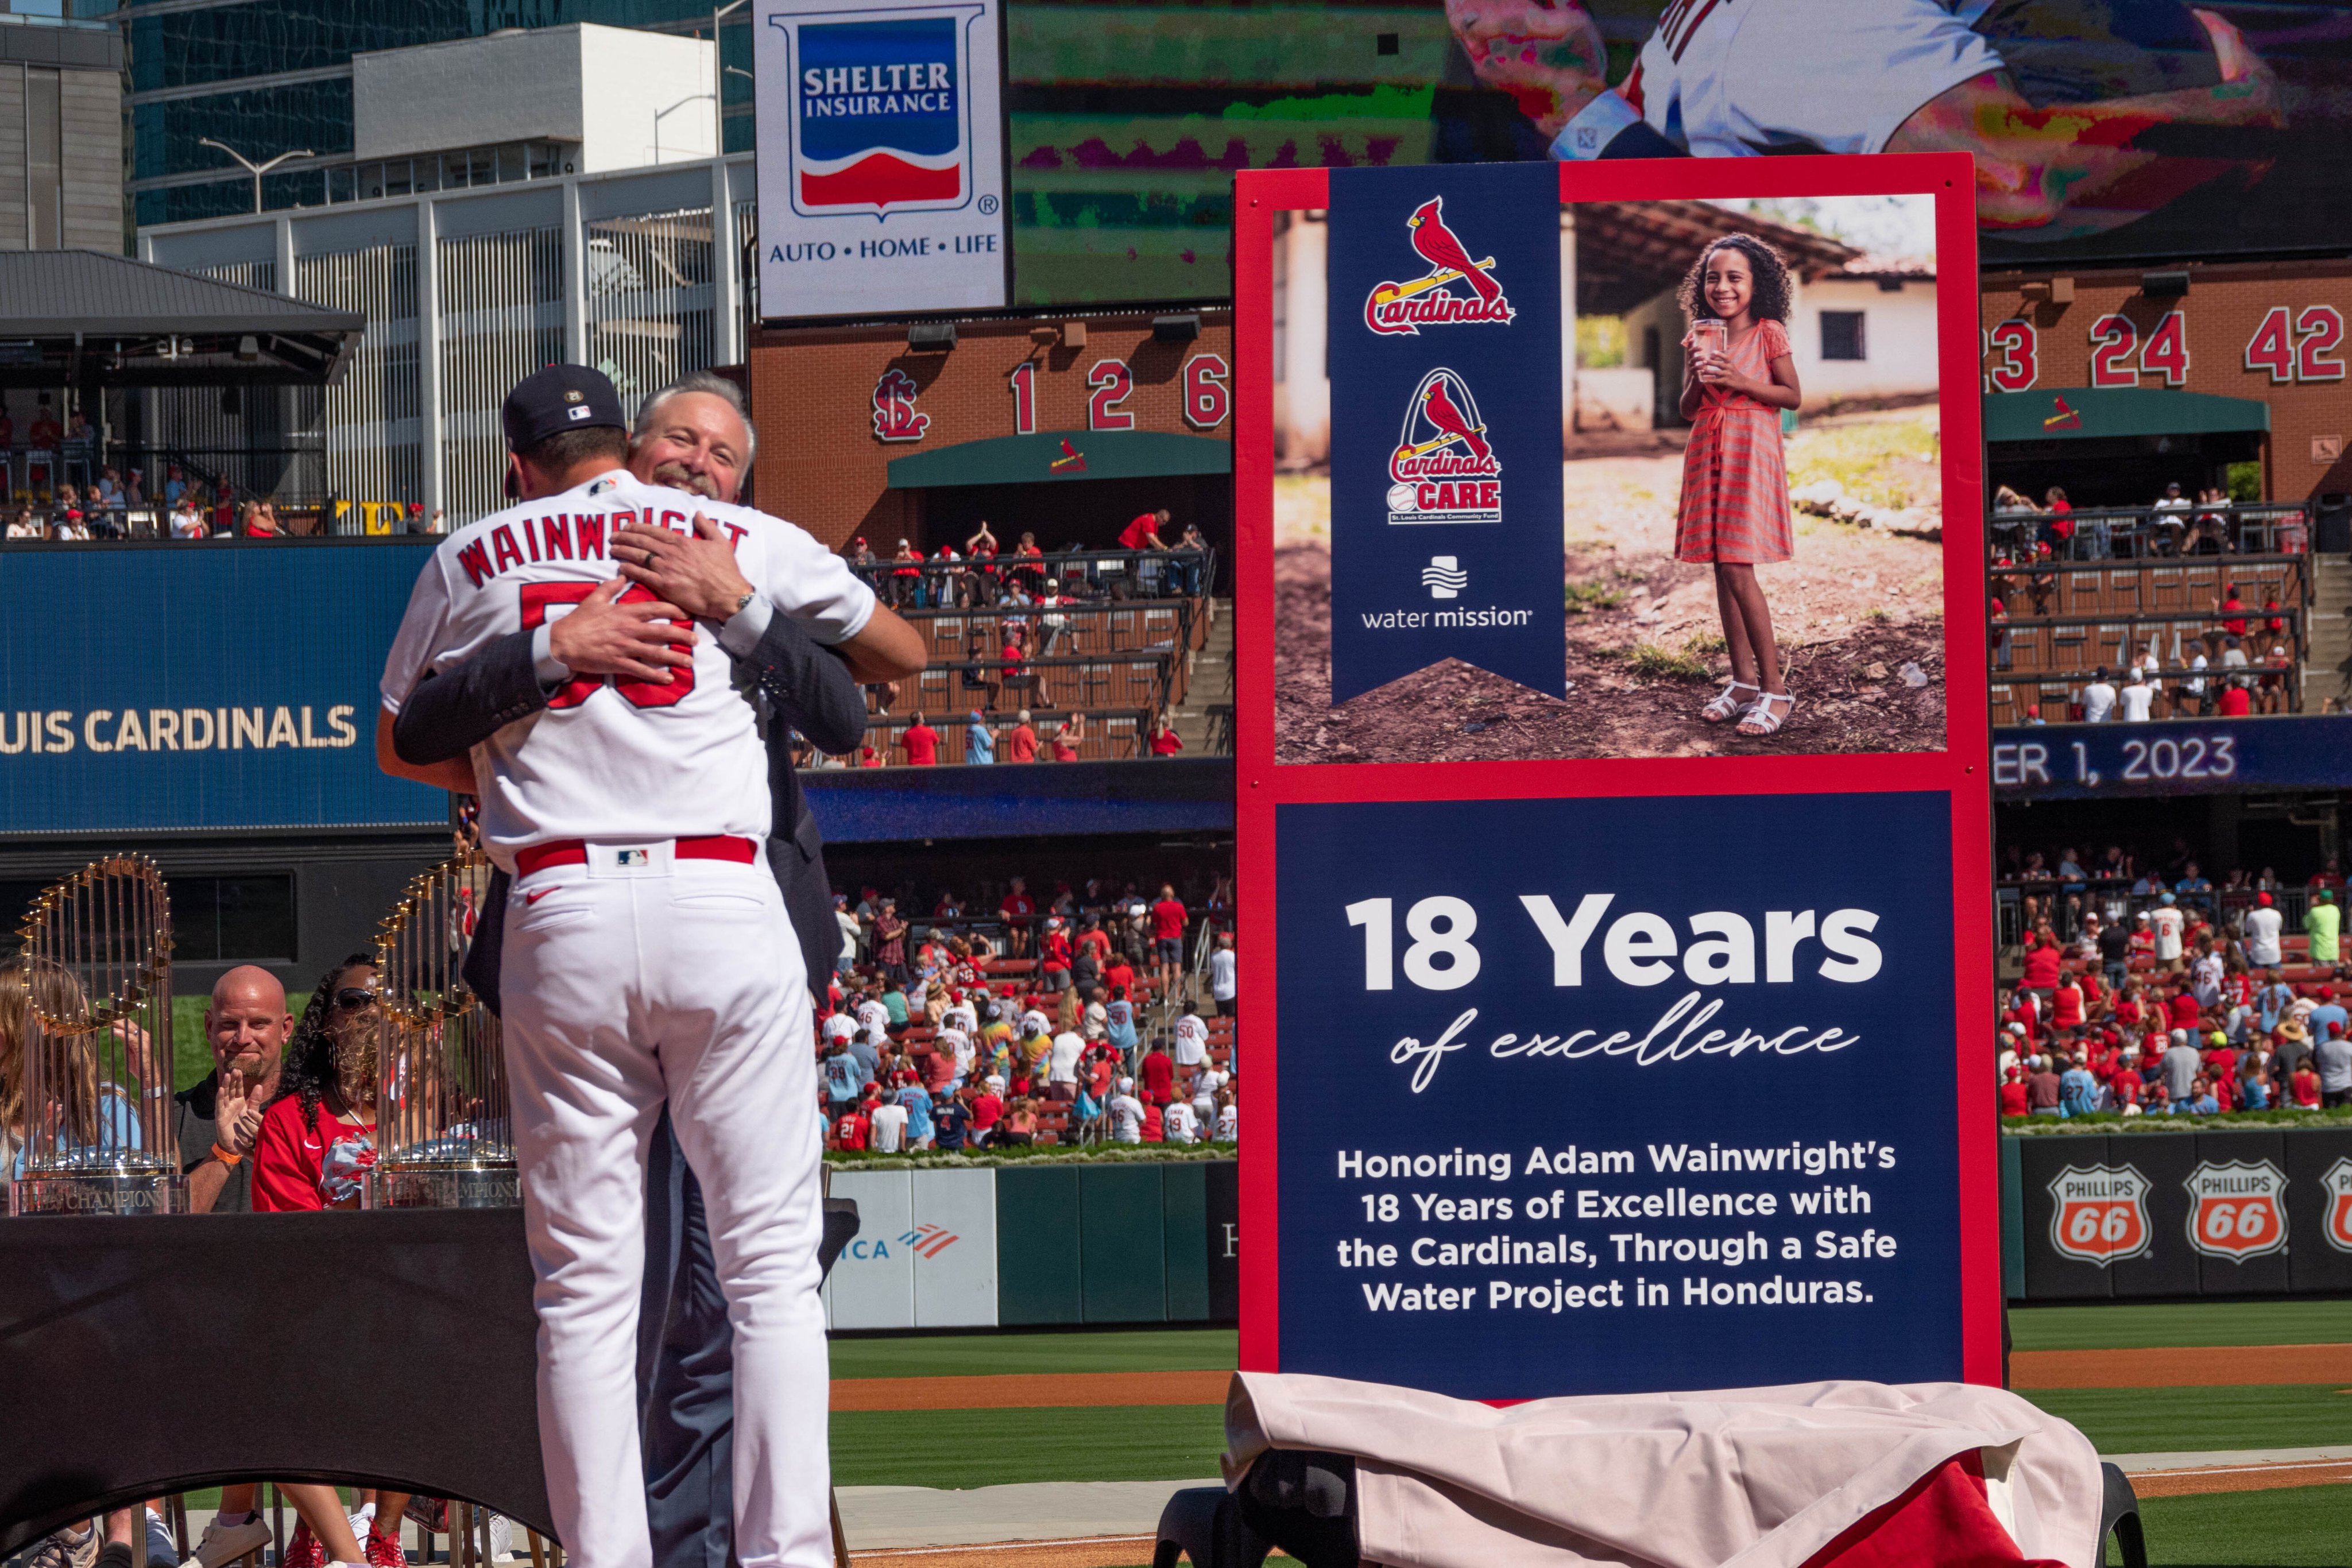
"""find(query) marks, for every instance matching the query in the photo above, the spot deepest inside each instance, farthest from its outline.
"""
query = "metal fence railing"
(982, 581)
(2161, 531)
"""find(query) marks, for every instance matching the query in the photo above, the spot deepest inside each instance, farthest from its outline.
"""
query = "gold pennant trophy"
(443, 1128)
(97, 976)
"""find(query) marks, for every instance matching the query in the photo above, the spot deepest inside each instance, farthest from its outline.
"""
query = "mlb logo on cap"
(557, 398)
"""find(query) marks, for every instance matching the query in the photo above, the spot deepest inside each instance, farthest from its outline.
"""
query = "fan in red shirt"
(2014, 1102)
(922, 744)
(1168, 938)
(2042, 961)
(852, 1126)
(2183, 1009)
(1021, 746)
(1165, 741)
(987, 1110)
(2237, 701)
(1143, 533)
(2066, 1004)
(1159, 1075)
(1016, 911)
(1054, 949)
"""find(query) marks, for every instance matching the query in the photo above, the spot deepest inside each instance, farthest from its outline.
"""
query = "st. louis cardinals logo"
(2337, 1185)
(2235, 1209)
(1443, 469)
(2099, 1213)
(1455, 289)
(894, 418)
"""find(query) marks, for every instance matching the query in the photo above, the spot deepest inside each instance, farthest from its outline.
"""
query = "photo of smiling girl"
(1738, 374)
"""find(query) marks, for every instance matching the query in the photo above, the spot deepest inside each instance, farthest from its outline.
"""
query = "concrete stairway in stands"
(2327, 673)
(1204, 719)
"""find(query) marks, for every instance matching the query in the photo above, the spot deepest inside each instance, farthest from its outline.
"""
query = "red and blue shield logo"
(880, 116)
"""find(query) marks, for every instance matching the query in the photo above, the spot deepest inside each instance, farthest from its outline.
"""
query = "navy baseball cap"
(557, 398)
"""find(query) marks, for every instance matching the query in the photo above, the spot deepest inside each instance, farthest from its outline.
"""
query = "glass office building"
(268, 76)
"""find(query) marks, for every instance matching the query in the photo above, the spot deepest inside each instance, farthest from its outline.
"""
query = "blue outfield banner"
(1609, 1109)
(201, 686)
(2172, 756)
(1446, 419)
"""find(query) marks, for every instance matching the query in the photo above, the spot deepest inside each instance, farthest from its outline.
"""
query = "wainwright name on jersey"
(612, 760)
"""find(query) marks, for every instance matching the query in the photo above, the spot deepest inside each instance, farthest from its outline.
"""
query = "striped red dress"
(1734, 501)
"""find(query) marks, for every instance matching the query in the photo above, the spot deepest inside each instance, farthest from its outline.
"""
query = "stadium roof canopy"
(82, 318)
(1628, 252)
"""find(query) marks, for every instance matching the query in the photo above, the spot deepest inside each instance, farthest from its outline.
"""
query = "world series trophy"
(97, 976)
(443, 1128)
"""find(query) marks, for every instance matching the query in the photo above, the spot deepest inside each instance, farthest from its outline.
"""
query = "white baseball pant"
(625, 982)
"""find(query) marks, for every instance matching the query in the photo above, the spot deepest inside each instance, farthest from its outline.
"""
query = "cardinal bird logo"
(2065, 418)
(1443, 469)
(1456, 290)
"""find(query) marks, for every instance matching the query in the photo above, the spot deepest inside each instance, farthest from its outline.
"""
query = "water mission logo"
(1443, 577)
(1455, 290)
(1443, 470)
(880, 118)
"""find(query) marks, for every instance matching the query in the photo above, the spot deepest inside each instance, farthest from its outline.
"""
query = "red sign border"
(1960, 770)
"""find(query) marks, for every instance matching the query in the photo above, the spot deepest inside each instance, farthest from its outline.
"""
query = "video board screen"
(2103, 129)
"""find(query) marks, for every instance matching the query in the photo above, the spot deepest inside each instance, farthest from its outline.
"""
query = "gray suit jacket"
(797, 684)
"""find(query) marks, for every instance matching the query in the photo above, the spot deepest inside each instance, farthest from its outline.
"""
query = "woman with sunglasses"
(317, 1143)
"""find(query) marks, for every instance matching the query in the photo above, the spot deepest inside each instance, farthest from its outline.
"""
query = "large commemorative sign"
(1611, 1060)
(881, 140)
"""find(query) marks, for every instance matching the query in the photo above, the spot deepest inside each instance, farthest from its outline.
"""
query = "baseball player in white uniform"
(649, 955)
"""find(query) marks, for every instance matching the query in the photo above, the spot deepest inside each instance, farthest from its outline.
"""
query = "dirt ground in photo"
(1645, 637)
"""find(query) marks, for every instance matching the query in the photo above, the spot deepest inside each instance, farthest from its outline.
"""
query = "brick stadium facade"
(836, 405)
(2268, 333)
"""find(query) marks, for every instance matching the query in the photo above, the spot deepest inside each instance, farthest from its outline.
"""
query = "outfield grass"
(2293, 1528)
(961, 1448)
(2196, 1421)
(2123, 1326)
(949, 1355)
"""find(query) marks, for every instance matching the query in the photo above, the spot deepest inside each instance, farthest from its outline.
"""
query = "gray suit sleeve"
(451, 713)
(813, 690)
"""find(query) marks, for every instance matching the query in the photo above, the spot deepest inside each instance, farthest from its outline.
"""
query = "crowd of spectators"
(2170, 527)
(1148, 564)
(2239, 664)
(1073, 1019)
(988, 738)
(2153, 991)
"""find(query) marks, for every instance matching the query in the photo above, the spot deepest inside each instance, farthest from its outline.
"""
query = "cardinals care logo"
(1443, 470)
(2337, 1185)
(2235, 1209)
(2099, 1213)
(894, 418)
(1455, 289)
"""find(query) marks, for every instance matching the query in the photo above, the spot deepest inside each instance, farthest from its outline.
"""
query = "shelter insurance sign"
(881, 143)
(1625, 1060)
(1445, 409)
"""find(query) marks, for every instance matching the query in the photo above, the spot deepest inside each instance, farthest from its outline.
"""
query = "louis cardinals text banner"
(1445, 420)
(1576, 1103)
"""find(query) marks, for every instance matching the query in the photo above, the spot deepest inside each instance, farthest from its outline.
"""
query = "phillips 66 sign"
(2099, 1213)
(882, 171)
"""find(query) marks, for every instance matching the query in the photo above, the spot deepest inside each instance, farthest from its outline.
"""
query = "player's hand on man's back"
(695, 571)
(602, 635)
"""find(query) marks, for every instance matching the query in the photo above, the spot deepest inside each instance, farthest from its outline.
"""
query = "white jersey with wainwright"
(608, 770)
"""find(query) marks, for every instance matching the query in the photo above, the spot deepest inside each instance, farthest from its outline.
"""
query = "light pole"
(660, 113)
(258, 170)
(718, 78)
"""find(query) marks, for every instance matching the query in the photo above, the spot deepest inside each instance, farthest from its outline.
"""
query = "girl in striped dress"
(1734, 514)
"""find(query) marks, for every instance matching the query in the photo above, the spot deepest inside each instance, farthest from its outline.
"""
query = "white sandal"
(1762, 717)
(1724, 705)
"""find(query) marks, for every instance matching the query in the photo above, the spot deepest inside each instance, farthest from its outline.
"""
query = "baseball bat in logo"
(2235, 1210)
(2100, 1213)
(1453, 291)
(1443, 469)
(2337, 1185)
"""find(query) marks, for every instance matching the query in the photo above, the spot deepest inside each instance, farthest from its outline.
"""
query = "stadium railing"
(978, 582)
(2237, 527)
(1112, 734)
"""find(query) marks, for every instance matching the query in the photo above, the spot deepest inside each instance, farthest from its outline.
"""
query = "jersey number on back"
(538, 596)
